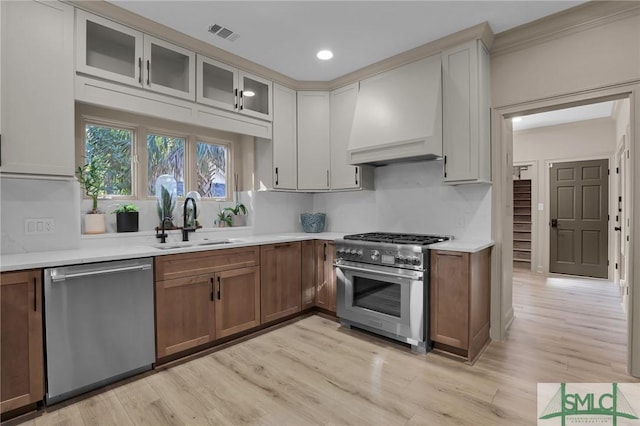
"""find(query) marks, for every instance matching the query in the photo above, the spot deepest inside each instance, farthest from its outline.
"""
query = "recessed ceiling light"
(248, 93)
(516, 119)
(325, 55)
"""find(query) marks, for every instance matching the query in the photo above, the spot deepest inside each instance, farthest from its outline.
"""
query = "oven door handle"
(369, 271)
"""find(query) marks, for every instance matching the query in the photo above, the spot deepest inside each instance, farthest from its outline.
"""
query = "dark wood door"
(21, 345)
(578, 195)
(237, 300)
(184, 313)
(308, 273)
(325, 276)
(280, 280)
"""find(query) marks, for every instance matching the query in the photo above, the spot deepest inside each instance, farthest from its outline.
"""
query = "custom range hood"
(398, 115)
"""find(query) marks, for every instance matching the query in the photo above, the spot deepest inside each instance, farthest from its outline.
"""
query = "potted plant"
(127, 218)
(224, 219)
(237, 214)
(92, 178)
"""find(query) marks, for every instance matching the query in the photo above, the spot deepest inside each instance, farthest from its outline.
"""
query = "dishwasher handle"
(56, 278)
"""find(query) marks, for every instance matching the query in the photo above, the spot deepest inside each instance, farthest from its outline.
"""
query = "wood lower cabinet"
(184, 313)
(280, 280)
(325, 275)
(205, 296)
(237, 300)
(308, 273)
(21, 345)
(460, 301)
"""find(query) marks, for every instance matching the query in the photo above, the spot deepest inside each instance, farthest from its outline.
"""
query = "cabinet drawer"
(206, 262)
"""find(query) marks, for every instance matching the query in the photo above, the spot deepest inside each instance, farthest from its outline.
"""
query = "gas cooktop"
(394, 238)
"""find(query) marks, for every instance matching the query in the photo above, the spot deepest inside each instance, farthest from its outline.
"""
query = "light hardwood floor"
(314, 372)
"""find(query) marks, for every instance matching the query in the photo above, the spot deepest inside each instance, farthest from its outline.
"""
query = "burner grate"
(397, 238)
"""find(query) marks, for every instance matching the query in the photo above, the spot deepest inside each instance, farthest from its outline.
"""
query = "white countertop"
(466, 246)
(45, 259)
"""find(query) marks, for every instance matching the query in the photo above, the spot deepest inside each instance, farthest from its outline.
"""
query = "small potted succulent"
(92, 178)
(127, 218)
(224, 219)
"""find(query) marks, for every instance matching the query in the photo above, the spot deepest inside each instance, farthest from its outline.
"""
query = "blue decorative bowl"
(312, 222)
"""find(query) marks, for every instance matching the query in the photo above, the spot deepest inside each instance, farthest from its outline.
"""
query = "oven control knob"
(402, 259)
(354, 253)
(415, 261)
(359, 254)
(375, 255)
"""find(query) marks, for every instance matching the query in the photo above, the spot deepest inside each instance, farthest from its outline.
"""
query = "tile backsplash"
(409, 197)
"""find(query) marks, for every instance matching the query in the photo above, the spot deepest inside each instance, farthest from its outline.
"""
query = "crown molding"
(579, 18)
(477, 32)
(115, 13)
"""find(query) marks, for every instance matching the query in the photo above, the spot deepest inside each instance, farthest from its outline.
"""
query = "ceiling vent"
(223, 32)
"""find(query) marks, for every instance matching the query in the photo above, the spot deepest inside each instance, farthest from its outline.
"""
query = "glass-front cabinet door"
(217, 84)
(108, 50)
(255, 96)
(118, 53)
(169, 69)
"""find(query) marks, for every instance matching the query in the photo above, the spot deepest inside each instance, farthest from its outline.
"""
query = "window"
(165, 156)
(211, 169)
(136, 150)
(112, 147)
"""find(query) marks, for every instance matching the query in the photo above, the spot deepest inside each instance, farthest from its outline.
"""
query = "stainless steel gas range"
(383, 284)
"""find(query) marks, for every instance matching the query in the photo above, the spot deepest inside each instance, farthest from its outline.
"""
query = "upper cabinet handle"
(356, 175)
(241, 100)
(148, 72)
(139, 70)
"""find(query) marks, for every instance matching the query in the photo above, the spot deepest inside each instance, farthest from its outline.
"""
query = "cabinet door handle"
(140, 69)
(211, 280)
(445, 166)
(325, 252)
(235, 97)
(241, 100)
(277, 246)
(356, 176)
(35, 296)
(276, 176)
(327, 178)
(219, 289)
(148, 72)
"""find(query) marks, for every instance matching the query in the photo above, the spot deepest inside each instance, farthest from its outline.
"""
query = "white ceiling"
(285, 35)
(563, 116)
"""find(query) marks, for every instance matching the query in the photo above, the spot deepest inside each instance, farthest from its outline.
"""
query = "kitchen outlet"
(39, 226)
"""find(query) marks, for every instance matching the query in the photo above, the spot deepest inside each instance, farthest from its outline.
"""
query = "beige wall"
(592, 58)
(584, 140)
(599, 58)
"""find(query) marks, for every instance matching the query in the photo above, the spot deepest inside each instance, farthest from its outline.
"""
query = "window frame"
(140, 160)
(82, 146)
(193, 176)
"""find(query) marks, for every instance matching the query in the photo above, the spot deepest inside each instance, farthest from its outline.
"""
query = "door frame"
(502, 204)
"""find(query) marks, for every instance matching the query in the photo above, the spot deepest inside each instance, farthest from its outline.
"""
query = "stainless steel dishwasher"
(99, 325)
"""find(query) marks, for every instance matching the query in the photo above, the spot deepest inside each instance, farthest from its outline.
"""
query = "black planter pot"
(127, 222)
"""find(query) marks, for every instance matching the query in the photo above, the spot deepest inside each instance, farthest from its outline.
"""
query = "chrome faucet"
(163, 235)
(185, 228)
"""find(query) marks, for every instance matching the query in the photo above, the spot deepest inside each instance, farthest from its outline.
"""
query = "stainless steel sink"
(170, 246)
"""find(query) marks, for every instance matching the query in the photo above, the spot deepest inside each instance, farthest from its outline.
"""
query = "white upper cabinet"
(115, 52)
(37, 88)
(285, 165)
(224, 86)
(466, 101)
(313, 140)
(343, 175)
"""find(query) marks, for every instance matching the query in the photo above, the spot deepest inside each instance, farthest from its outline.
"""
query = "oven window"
(379, 296)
